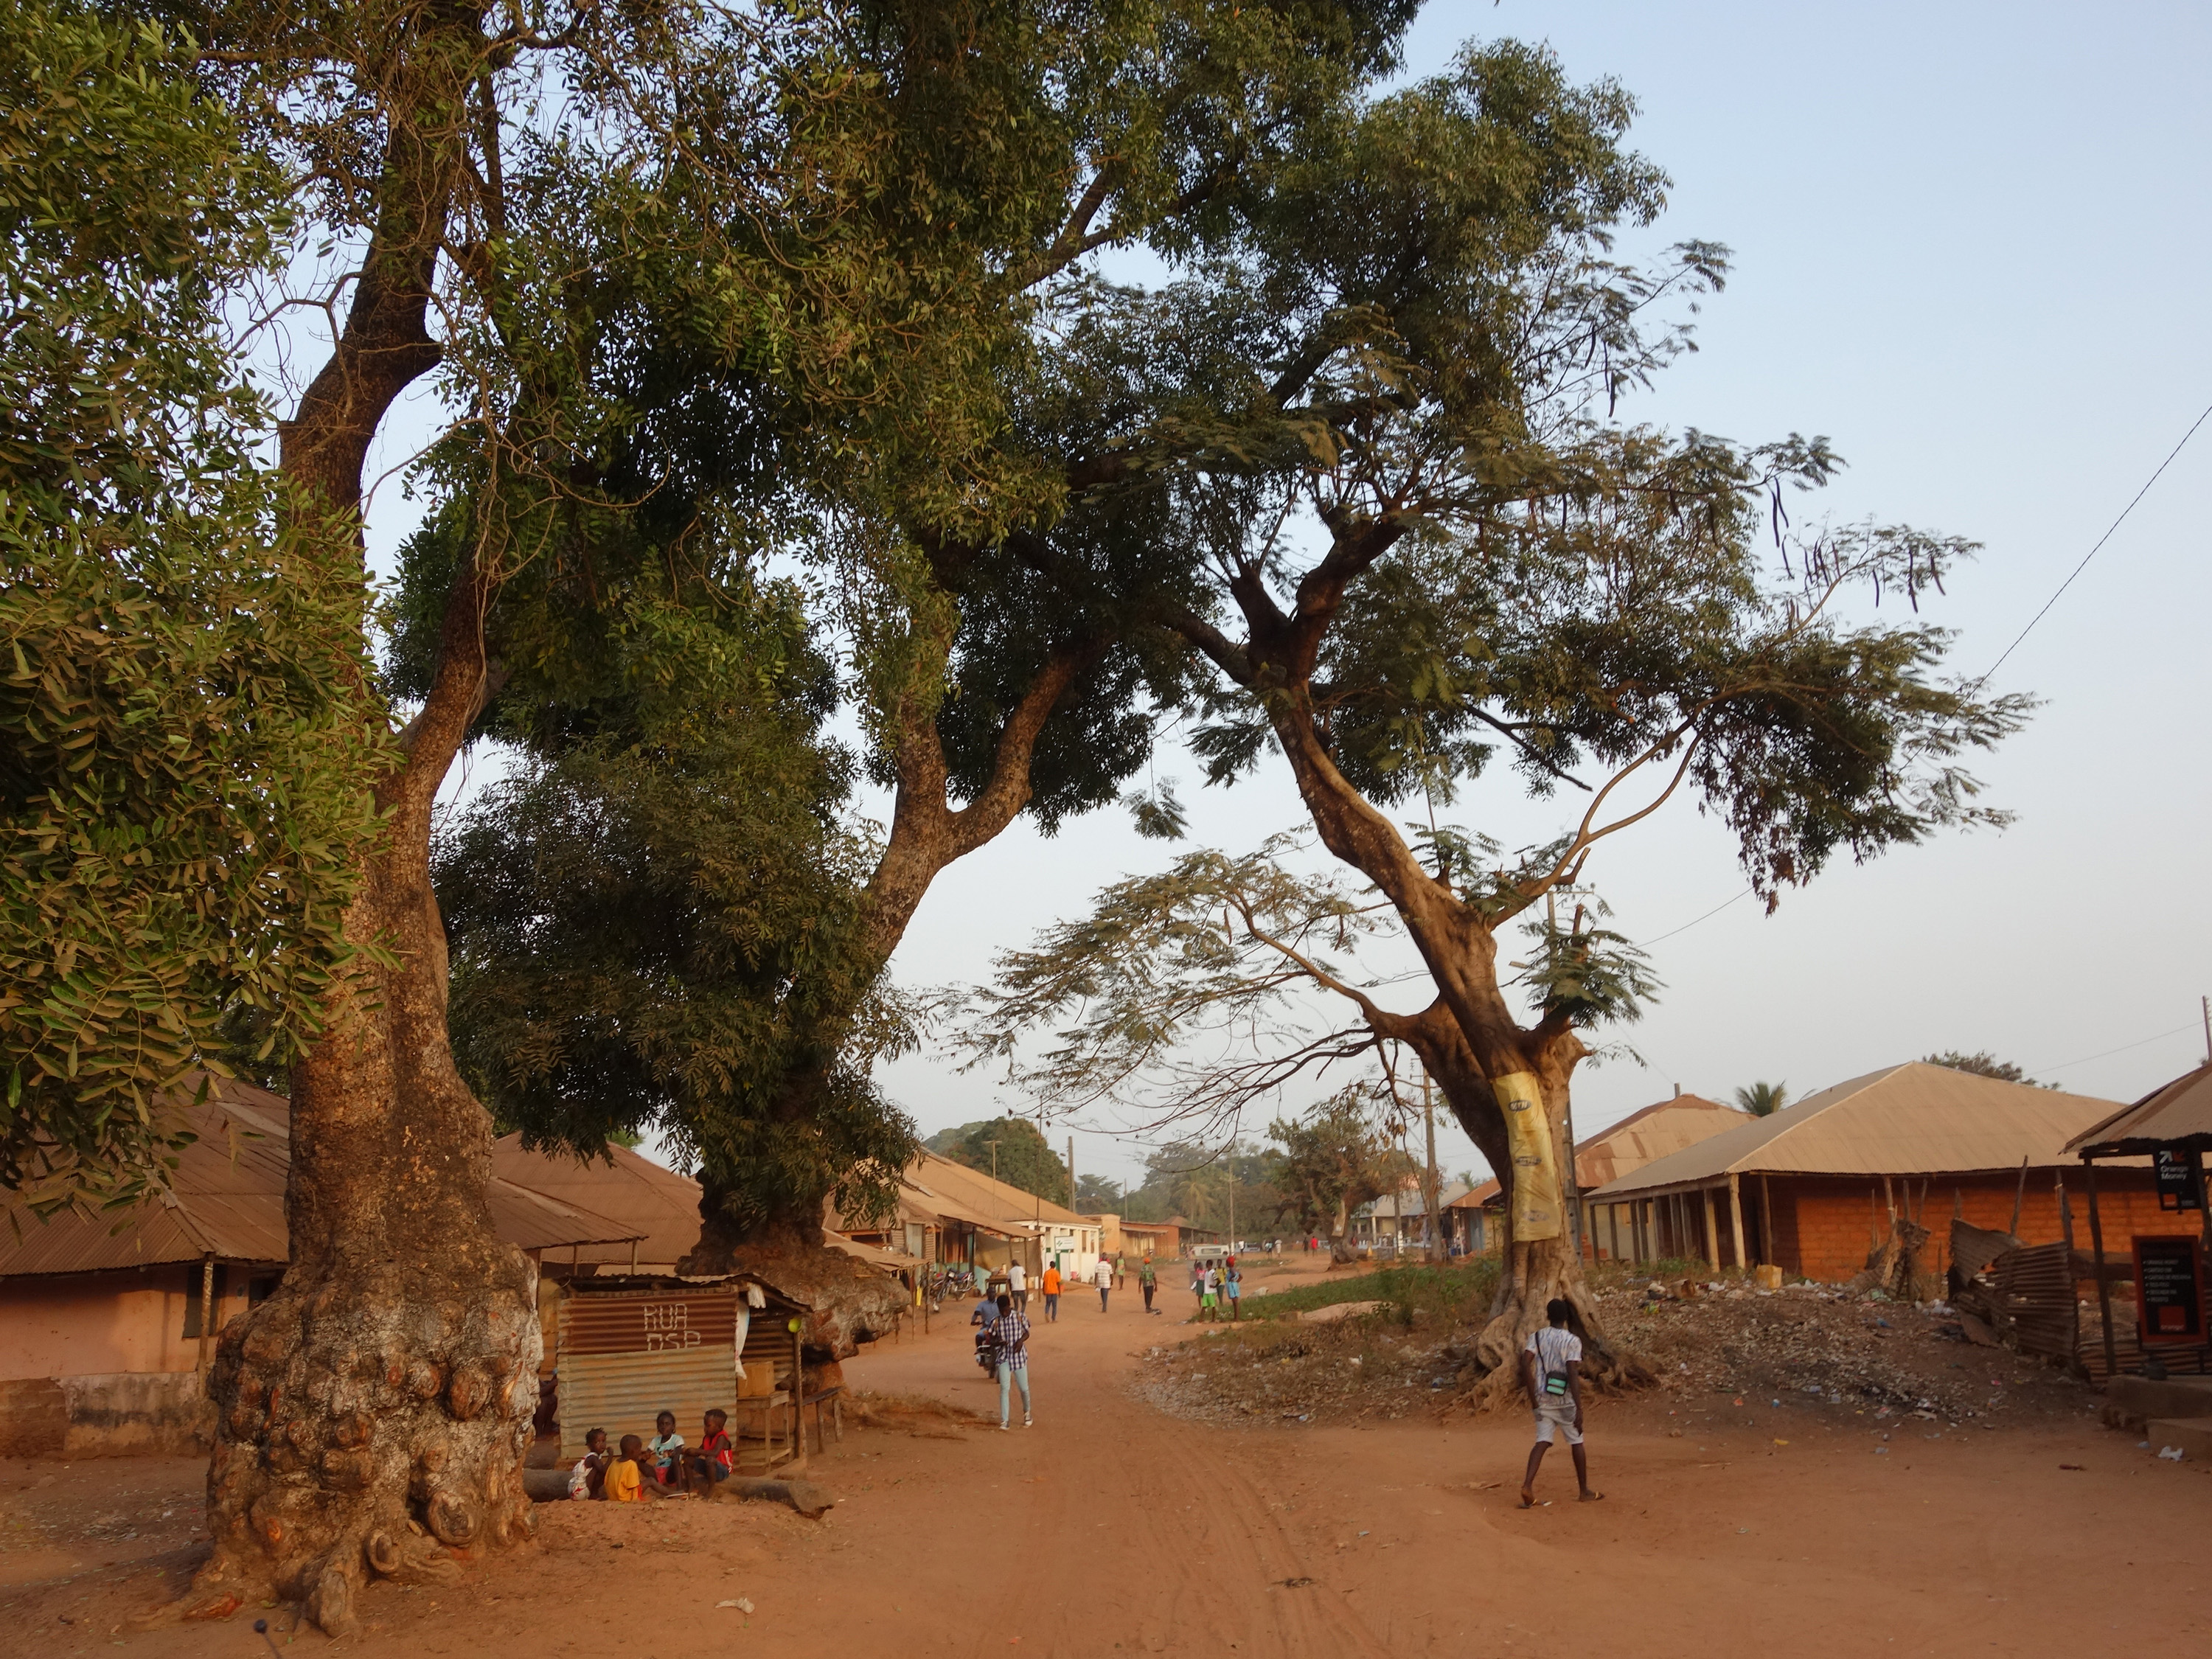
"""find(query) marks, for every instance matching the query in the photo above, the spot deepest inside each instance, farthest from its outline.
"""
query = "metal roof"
(2179, 1111)
(1645, 1136)
(657, 1206)
(960, 1194)
(226, 1199)
(1915, 1119)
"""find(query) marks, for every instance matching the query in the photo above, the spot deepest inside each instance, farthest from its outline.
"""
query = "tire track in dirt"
(1173, 1549)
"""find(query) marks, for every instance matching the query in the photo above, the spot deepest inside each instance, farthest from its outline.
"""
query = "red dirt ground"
(1111, 1528)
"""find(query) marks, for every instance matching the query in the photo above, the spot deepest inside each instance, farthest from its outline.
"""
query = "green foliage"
(184, 778)
(1335, 1159)
(1022, 1157)
(1983, 1064)
(1461, 1293)
(653, 927)
(1763, 1099)
(1213, 948)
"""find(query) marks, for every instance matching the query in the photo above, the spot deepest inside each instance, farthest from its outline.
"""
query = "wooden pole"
(2020, 1195)
(1712, 1238)
(2103, 1290)
(206, 1312)
(1769, 1249)
(1735, 1216)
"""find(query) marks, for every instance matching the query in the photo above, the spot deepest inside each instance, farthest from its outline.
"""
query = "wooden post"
(207, 1314)
(1735, 1216)
(2020, 1194)
(1769, 1249)
(2103, 1290)
(1712, 1238)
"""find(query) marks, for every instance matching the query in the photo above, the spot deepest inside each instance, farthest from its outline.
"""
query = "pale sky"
(1968, 244)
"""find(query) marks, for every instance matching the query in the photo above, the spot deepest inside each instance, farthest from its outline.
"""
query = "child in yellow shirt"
(623, 1484)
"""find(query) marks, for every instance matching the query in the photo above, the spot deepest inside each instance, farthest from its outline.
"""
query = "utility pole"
(2205, 1003)
(1070, 1172)
(1435, 1221)
(993, 1146)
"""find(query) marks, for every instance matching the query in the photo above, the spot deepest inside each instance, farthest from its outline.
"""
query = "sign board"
(2180, 1172)
(667, 1323)
(2170, 1289)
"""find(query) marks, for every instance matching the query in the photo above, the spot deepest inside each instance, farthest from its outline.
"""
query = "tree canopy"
(1009, 1148)
(1983, 1064)
(183, 796)
(1429, 564)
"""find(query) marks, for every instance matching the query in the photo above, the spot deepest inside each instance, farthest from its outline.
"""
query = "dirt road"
(1113, 1527)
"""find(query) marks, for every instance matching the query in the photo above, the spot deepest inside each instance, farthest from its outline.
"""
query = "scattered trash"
(739, 1602)
(2171, 1454)
(2077, 1466)
(1882, 1451)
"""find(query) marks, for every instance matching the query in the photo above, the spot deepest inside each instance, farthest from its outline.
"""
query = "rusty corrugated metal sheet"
(658, 1206)
(2179, 1111)
(649, 1323)
(622, 1393)
(627, 1355)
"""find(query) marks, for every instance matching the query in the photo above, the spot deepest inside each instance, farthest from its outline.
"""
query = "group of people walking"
(1217, 1285)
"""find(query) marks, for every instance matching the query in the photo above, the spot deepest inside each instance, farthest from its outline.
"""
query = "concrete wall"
(98, 1365)
(120, 1415)
(98, 1324)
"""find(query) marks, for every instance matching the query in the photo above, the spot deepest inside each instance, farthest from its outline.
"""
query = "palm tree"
(1763, 1099)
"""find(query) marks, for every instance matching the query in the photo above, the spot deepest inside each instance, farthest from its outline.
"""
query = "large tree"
(983, 689)
(1335, 1157)
(1383, 429)
(703, 183)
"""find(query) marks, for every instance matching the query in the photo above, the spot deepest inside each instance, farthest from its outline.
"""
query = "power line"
(2092, 554)
(2188, 1026)
(1707, 916)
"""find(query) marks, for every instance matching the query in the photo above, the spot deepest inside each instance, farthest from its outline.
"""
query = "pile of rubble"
(1809, 1345)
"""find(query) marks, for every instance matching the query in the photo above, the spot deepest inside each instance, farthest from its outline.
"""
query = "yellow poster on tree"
(1538, 1212)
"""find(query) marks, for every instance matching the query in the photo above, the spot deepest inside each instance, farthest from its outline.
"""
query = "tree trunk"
(1340, 1241)
(1542, 1269)
(371, 1415)
(852, 1303)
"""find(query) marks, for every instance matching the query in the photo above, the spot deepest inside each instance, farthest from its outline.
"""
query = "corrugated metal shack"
(632, 1347)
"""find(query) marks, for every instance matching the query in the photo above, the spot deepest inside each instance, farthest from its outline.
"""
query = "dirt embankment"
(1813, 1347)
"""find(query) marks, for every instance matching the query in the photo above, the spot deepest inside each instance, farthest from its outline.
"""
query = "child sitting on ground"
(624, 1484)
(711, 1465)
(665, 1451)
(584, 1479)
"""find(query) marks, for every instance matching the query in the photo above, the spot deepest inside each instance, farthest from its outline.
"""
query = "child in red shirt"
(716, 1453)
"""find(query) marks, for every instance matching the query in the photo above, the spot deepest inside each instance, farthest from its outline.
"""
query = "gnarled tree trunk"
(373, 1413)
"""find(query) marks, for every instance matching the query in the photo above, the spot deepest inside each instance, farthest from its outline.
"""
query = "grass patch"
(1461, 1291)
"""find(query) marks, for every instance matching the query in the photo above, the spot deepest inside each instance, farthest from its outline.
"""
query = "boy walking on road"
(1102, 1277)
(1147, 1281)
(1550, 1370)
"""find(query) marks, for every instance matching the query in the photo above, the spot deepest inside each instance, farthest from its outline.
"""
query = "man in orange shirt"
(1052, 1294)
